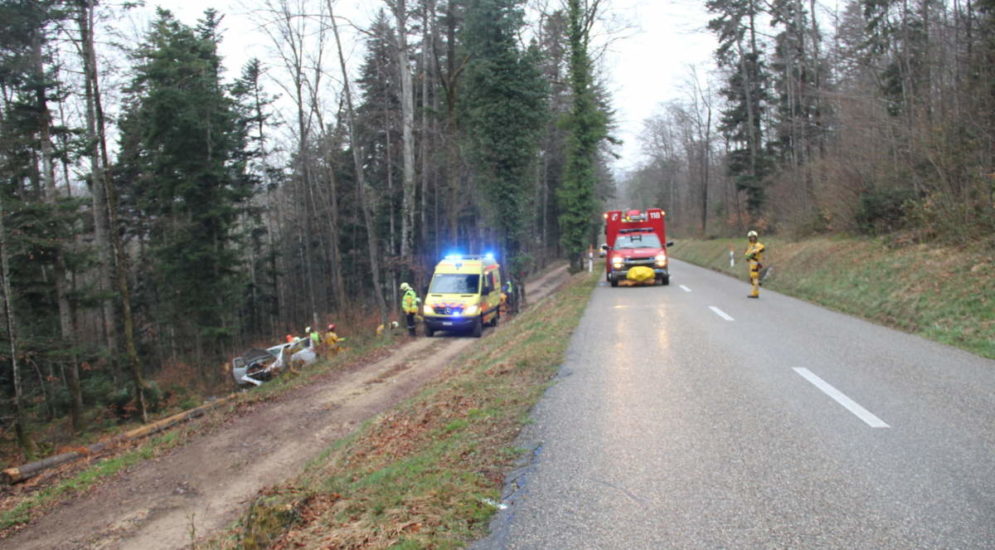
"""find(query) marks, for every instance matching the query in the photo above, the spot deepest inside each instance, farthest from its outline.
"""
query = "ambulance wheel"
(614, 282)
(428, 331)
(665, 280)
(478, 327)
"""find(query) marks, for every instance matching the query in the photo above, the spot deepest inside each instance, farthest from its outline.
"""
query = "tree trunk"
(450, 83)
(329, 185)
(338, 288)
(357, 159)
(123, 288)
(407, 137)
(52, 198)
(428, 35)
(98, 180)
(304, 163)
(705, 136)
(20, 418)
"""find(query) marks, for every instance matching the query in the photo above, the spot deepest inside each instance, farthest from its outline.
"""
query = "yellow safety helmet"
(405, 286)
(752, 234)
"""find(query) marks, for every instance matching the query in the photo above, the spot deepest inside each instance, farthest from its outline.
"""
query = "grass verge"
(946, 294)
(429, 473)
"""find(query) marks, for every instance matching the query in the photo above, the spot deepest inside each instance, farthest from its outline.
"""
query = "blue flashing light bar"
(457, 257)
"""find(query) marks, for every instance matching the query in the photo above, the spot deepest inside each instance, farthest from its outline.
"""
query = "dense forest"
(862, 117)
(157, 217)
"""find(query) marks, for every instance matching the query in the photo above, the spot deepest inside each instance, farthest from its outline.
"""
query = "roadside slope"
(946, 294)
(203, 486)
(428, 473)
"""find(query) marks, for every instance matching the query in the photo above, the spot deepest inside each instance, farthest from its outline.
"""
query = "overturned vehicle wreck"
(256, 366)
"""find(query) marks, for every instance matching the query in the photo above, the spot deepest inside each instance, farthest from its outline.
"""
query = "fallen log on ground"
(21, 473)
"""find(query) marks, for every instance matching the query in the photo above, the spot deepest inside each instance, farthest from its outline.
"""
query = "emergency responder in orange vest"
(754, 258)
(409, 303)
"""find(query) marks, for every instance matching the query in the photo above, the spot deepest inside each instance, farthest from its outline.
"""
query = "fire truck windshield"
(637, 240)
(454, 283)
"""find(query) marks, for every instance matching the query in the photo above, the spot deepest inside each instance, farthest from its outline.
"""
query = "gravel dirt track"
(206, 484)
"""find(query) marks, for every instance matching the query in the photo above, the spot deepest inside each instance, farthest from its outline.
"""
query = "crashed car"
(257, 365)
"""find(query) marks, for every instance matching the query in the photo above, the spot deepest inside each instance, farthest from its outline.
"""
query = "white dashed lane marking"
(721, 313)
(685, 289)
(842, 399)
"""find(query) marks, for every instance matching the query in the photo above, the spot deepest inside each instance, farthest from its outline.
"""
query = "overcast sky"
(650, 64)
(652, 45)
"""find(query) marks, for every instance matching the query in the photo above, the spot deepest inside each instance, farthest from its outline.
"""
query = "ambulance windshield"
(454, 283)
(637, 240)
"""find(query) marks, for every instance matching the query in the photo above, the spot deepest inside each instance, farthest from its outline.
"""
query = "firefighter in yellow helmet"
(409, 303)
(754, 257)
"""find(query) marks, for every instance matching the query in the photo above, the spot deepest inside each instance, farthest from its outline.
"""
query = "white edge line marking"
(685, 289)
(842, 399)
(721, 313)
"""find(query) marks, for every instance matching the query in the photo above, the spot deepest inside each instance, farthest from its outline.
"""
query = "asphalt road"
(689, 416)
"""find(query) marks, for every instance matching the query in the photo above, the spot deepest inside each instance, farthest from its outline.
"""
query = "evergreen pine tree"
(587, 127)
(40, 220)
(252, 105)
(379, 118)
(505, 102)
(182, 163)
(747, 94)
(795, 68)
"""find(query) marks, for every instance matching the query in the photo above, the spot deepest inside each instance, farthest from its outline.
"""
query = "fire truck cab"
(635, 238)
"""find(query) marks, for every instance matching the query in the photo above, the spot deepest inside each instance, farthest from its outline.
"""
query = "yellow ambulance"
(464, 295)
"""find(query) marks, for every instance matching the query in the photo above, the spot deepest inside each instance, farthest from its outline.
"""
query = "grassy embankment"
(21, 506)
(942, 293)
(429, 473)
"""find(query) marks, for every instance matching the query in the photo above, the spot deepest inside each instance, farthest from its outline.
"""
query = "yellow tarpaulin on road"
(640, 274)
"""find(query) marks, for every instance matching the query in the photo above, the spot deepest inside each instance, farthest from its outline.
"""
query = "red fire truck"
(636, 238)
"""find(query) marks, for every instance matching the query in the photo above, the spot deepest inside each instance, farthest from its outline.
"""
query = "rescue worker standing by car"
(754, 258)
(409, 304)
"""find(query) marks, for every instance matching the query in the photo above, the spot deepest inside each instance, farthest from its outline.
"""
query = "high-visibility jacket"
(755, 254)
(409, 302)
(331, 340)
